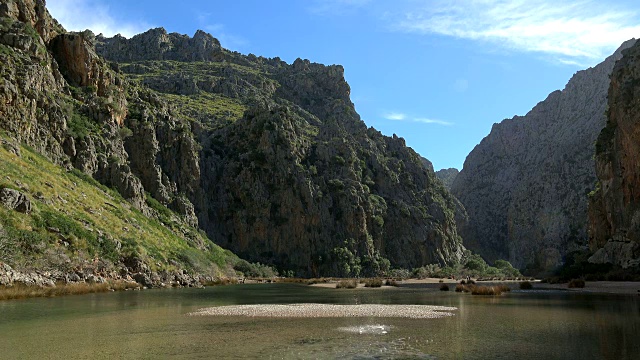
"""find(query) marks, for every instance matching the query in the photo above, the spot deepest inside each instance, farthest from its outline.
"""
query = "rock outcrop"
(447, 176)
(157, 44)
(15, 200)
(614, 207)
(524, 186)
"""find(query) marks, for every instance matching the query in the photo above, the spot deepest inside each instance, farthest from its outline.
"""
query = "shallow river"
(153, 324)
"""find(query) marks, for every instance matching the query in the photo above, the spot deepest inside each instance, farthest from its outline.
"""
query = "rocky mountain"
(447, 176)
(614, 207)
(71, 208)
(270, 159)
(525, 185)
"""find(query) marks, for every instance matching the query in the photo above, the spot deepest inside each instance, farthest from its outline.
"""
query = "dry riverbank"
(603, 287)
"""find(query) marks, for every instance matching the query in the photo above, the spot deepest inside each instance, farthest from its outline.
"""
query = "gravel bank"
(329, 310)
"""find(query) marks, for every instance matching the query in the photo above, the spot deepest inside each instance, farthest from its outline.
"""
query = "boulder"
(143, 279)
(15, 200)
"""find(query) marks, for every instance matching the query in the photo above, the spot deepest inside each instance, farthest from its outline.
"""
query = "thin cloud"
(79, 15)
(432, 121)
(394, 116)
(461, 85)
(573, 33)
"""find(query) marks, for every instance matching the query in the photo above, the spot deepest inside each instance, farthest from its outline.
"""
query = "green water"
(152, 324)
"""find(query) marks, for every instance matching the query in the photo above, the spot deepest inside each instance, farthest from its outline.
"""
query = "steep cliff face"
(524, 186)
(269, 158)
(288, 173)
(614, 207)
(58, 98)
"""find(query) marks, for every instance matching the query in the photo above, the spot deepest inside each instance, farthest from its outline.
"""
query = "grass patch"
(347, 284)
(391, 282)
(373, 283)
(23, 291)
(489, 290)
(74, 216)
(221, 281)
(315, 281)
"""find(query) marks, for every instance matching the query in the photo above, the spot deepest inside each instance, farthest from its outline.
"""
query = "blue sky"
(438, 73)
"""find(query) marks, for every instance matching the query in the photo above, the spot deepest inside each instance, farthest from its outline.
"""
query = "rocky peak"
(35, 14)
(427, 163)
(157, 44)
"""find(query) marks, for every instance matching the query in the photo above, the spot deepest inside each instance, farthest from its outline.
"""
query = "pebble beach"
(310, 310)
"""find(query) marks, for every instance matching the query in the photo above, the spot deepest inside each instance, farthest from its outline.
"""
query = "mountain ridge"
(269, 158)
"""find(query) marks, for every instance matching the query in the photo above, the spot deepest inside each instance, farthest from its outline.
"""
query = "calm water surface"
(152, 324)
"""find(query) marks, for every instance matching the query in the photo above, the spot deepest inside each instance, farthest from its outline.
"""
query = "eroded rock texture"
(614, 208)
(525, 185)
(269, 158)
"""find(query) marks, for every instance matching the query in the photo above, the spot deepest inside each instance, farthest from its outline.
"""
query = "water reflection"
(153, 324)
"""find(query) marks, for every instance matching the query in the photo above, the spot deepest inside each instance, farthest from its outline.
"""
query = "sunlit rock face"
(269, 158)
(525, 185)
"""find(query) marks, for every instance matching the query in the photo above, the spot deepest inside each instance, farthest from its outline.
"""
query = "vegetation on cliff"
(76, 225)
(270, 159)
(289, 174)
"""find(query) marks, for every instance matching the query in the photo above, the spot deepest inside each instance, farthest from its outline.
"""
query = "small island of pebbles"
(329, 310)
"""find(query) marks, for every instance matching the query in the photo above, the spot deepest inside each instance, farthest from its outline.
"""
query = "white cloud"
(432, 121)
(79, 15)
(394, 116)
(572, 32)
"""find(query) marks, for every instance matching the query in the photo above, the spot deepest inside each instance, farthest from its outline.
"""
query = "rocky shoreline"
(10, 277)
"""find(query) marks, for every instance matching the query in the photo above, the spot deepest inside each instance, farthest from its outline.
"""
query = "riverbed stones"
(309, 310)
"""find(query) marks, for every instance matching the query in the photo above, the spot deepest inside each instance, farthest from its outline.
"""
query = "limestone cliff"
(524, 186)
(288, 174)
(63, 110)
(269, 158)
(614, 207)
